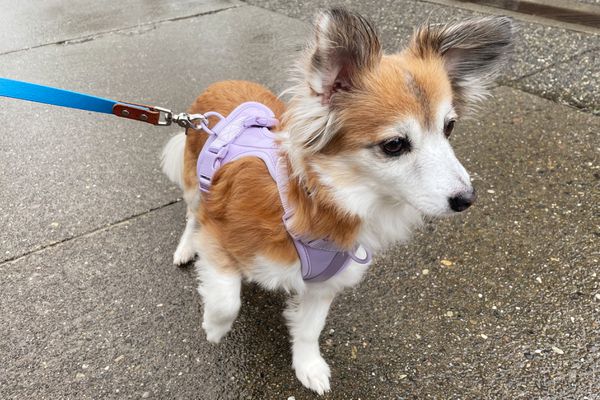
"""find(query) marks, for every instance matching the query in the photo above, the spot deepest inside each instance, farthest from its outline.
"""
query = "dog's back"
(222, 97)
(180, 155)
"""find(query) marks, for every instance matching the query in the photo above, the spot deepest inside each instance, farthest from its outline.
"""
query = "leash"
(65, 98)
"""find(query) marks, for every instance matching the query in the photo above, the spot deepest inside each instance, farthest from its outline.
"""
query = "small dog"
(365, 142)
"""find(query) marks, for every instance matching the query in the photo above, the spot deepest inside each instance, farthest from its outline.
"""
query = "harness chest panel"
(245, 133)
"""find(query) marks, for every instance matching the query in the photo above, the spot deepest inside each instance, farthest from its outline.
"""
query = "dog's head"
(377, 127)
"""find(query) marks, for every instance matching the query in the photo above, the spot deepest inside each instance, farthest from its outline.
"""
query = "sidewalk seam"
(554, 64)
(99, 34)
(87, 233)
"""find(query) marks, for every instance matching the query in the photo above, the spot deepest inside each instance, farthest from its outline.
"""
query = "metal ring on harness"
(204, 123)
(359, 260)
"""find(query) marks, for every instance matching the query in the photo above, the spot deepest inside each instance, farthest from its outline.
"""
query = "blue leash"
(58, 97)
(66, 98)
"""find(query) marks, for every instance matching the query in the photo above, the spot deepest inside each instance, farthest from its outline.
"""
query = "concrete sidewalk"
(503, 303)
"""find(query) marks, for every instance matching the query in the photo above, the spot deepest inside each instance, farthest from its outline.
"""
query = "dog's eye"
(395, 147)
(449, 127)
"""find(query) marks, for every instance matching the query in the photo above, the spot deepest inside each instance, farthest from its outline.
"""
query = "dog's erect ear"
(344, 46)
(474, 52)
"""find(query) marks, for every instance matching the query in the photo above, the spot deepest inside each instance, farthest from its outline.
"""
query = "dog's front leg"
(305, 315)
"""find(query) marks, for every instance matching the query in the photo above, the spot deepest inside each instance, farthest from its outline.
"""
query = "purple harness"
(245, 133)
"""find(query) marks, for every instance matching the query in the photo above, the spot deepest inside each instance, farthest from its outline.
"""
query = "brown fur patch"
(244, 212)
(402, 85)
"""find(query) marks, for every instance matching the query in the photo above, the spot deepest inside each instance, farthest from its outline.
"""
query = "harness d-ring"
(203, 125)
(367, 259)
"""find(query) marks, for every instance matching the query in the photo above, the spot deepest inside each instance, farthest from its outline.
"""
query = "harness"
(245, 133)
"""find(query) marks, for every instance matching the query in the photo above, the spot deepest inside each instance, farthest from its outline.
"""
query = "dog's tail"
(172, 159)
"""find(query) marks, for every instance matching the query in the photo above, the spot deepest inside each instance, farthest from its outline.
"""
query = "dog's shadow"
(259, 338)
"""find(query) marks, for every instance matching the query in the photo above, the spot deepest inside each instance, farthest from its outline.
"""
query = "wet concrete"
(501, 303)
(542, 53)
(28, 24)
(563, 12)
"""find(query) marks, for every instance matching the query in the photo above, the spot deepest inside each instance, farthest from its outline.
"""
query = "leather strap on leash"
(65, 98)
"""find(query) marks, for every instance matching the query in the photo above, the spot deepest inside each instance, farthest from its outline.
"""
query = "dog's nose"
(462, 201)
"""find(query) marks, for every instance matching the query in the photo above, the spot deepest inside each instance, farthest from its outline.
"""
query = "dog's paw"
(183, 254)
(215, 332)
(313, 372)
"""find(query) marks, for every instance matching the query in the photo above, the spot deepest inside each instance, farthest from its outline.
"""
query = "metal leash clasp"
(184, 120)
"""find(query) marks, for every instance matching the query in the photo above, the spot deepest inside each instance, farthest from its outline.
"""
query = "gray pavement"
(34, 24)
(552, 62)
(503, 303)
(59, 193)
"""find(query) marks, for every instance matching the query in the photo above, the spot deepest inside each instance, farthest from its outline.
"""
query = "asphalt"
(501, 303)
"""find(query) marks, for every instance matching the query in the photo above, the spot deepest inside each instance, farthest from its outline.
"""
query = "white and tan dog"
(365, 136)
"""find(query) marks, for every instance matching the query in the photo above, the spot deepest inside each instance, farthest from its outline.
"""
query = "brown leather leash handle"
(137, 112)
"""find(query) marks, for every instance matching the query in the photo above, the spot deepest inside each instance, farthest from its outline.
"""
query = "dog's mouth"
(431, 212)
(442, 206)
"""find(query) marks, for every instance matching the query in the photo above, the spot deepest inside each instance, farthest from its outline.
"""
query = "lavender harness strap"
(245, 133)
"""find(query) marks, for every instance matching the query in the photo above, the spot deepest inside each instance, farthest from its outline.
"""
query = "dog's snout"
(462, 201)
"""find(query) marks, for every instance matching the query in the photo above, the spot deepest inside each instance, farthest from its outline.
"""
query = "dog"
(365, 142)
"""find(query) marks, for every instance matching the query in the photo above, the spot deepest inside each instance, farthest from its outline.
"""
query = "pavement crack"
(127, 30)
(554, 64)
(555, 96)
(87, 233)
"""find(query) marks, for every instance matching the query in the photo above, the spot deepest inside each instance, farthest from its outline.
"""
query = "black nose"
(462, 201)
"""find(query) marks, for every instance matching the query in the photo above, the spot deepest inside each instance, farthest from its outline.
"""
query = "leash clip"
(168, 116)
(184, 120)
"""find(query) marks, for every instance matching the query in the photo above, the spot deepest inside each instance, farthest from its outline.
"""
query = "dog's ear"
(344, 46)
(474, 52)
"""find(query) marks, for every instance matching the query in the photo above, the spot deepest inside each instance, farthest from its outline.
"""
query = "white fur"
(220, 291)
(172, 165)
(385, 219)
(185, 251)
(305, 314)
(172, 159)
(312, 126)
(273, 276)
